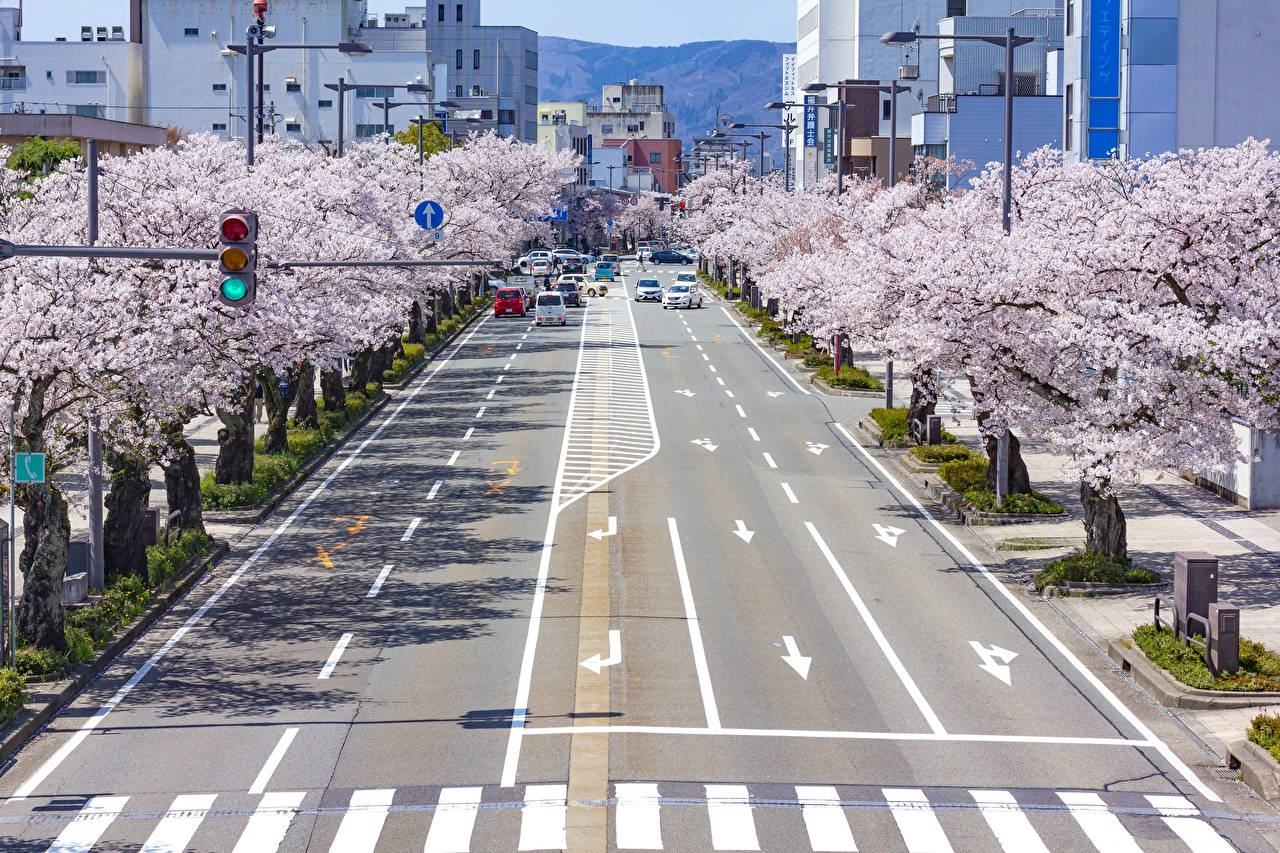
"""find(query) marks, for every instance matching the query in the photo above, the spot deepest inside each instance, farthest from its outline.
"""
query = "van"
(550, 309)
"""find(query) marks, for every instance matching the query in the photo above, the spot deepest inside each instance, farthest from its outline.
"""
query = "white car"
(540, 266)
(648, 288)
(550, 309)
(686, 278)
(526, 262)
(682, 295)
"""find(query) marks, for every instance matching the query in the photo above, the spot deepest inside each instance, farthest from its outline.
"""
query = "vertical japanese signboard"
(810, 141)
(829, 146)
(1104, 78)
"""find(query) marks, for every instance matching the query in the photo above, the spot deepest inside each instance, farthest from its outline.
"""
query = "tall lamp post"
(342, 87)
(388, 105)
(787, 127)
(762, 136)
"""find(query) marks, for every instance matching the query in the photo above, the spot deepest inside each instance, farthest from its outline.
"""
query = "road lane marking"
(454, 820)
(506, 367)
(700, 348)
(470, 432)
(273, 761)
(881, 640)
(916, 821)
(511, 357)
(791, 496)
(1146, 733)
(1008, 822)
(435, 489)
(824, 819)
(542, 818)
(637, 816)
(88, 825)
(520, 345)
(454, 458)
(811, 734)
(269, 823)
(752, 433)
(335, 655)
(1183, 818)
(480, 414)
(498, 381)
(732, 825)
(721, 381)
(706, 357)
(693, 337)
(408, 534)
(492, 391)
(750, 339)
(377, 584)
(695, 632)
(769, 460)
(1103, 828)
(362, 822)
(179, 823)
(741, 413)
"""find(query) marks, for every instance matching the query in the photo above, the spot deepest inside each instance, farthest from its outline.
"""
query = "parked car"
(686, 278)
(682, 296)
(648, 288)
(509, 300)
(493, 285)
(667, 256)
(525, 263)
(550, 309)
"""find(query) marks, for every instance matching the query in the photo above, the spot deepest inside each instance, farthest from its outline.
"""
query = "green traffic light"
(234, 289)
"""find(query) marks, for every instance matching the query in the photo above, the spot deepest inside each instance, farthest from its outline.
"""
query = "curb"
(253, 515)
(1173, 694)
(823, 388)
(1257, 768)
(32, 720)
(1066, 589)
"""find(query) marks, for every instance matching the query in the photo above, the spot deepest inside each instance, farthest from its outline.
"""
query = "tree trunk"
(361, 366)
(127, 504)
(1104, 524)
(306, 413)
(433, 319)
(417, 329)
(182, 478)
(464, 296)
(333, 391)
(47, 528)
(1019, 479)
(446, 300)
(235, 440)
(924, 397)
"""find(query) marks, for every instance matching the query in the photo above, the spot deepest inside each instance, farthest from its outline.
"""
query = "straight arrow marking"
(595, 664)
(742, 532)
(989, 657)
(888, 535)
(705, 443)
(794, 659)
(686, 392)
(612, 531)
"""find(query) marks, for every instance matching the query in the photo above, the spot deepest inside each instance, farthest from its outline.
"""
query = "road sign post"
(429, 215)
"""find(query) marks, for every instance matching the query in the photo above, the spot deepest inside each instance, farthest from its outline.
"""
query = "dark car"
(572, 295)
(572, 265)
(666, 256)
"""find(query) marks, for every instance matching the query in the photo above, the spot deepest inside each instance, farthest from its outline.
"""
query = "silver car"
(648, 288)
(682, 295)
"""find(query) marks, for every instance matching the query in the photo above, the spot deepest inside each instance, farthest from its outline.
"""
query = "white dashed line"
(741, 413)
(335, 656)
(498, 381)
(470, 430)
(727, 391)
(769, 459)
(520, 345)
(699, 347)
(694, 337)
(480, 414)
(408, 534)
(492, 391)
(721, 381)
(791, 496)
(754, 437)
(454, 458)
(377, 584)
(706, 357)
(431, 495)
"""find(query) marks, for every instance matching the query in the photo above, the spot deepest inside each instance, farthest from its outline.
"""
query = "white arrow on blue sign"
(429, 215)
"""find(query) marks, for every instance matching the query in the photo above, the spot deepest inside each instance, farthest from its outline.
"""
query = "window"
(440, 13)
(642, 125)
(1068, 101)
(325, 104)
(808, 23)
(458, 58)
(487, 115)
(457, 91)
(375, 92)
(531, 60)
(219, 127)
(219, 87)
(90, 110)
(955, 8)
(1071, 14)
(475, 57)
(191, 32)
(293, 127)
(293, 87)
(530, 130)
(506, 116)
(606, 128)
(459, 13)
(531, 94)
(266, 87)
(87, 78)
(364, 131)
(48, 75)
(888, 109)
(655, 158)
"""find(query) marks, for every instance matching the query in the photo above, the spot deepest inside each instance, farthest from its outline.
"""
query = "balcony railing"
(13, 84)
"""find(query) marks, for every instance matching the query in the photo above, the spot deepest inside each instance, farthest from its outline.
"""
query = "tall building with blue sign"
(1146, 76)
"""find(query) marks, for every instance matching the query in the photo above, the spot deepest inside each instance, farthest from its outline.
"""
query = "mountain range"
(702, 80)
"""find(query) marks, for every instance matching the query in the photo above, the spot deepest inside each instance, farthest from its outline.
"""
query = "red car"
(509, 300)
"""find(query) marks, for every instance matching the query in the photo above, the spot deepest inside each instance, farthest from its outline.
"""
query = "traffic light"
(238, 257)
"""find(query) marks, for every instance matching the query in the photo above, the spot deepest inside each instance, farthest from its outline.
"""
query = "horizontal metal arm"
(478, 262)
(9, 250)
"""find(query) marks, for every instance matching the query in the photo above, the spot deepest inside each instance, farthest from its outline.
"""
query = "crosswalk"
(643, 816)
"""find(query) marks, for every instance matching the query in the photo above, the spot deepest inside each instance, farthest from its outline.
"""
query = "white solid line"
(1103, 828)
(435, 489)
(905, 677)
(1178, 764)
(88, 825)
(480, 414)
(377, 584)
(741, 413)
(454, 458)
(454, 820)
(729, 810)
(917, 823)
(327, 669)
(730, 393)
(470, 432)
(824, 819)
(273, 761)
(86, 728)
(695, 632)
(637, 816)
(791, 496)
(408, 534)
(1183, 818)
(721, 381)
(752, 433)
(785, 373)
(269, 823)
(845, 735)
(175, 829)
(1008, 822)
(362, 823)
(769, 459)
(492, 391)
(542, 818)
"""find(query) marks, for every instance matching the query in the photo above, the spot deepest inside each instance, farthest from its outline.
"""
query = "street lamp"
(788, 126)
(814, 88)
(422, 121)
(388, 105)
(762, 136)
(342, 87)
(249, 49)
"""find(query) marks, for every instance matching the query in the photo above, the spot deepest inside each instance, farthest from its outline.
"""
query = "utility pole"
(97, 559)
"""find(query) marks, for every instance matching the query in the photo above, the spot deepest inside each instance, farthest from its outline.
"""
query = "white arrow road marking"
(594, 663)
(888, 535)
(815, 448)
(686, 392)
(775, 393)
(612, 531)
(705, 442)
(794, 659)
(989, 657)
(742, 532)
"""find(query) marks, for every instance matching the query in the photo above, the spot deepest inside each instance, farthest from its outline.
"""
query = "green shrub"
(1032, 504)
(817, 359)
(12, 694)
(892, 422)
(124, 599)
(936, 454)
(399, 368)
(1258, 667)
(93, 621)
(164, 562)
(850, 377)
(305, 442)
(413, 353)
(965, 475)
(332, 423)
(218, 496)
(32, 660)
(1088, 567)
(1265, 732)
(79, 644)
(356, 403)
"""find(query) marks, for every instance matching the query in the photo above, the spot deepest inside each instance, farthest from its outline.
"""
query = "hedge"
(1259, 666)
(13, 692)
(1088, 567)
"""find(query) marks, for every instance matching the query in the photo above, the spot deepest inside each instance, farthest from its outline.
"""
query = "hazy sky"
(653, 22)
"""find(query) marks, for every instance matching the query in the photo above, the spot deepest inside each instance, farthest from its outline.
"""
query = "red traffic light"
(682, 205)
(235, 228)
(259, 9)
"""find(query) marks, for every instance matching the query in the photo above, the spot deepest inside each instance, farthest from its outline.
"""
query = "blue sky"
(661, 22)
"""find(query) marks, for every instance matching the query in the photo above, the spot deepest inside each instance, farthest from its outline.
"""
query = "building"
(1147, 76)
(632, 120)
(119, 138)
(175, 68)
(557, 133)
(631, 111)
(653, 165)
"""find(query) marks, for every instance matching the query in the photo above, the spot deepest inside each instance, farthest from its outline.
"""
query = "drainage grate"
(1227, 773)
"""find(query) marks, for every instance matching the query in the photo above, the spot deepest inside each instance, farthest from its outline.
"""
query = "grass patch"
(936, 454)
(817, 359)
(1259, 667)
(1265, 732)
(1087, 567)
(12, 694)
(163, 562)
(850, 377)
(1032, 504)
(892, 422)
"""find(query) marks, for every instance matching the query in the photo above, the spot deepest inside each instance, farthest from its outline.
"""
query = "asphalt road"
(621, 585)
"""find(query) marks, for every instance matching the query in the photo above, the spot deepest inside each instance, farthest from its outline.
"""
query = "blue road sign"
(444, 124)
(429, 215)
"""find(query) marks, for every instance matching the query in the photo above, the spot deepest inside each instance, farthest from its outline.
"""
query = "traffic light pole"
(11, 250)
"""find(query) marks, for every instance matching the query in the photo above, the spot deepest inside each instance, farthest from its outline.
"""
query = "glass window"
(1069, 105)
(219, 87)
(90, 78)
(531, 60)
(364, 131)
(458, 57)
(191, 32)
(956, 8)
(655, 157)
(219, 126)
(293, 87)
(606, 128)
(293, 127)
(888, 107)
(475, 57)
(459, 13)
(531, 94)
(506, 116)
(440, 13)
(457, 91)
(375, 92)
(1071, 16)
(90, 110)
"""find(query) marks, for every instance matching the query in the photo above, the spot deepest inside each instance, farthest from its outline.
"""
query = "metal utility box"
(78, 555)
(151, 527)
(1195, 585)
(1224, 637)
